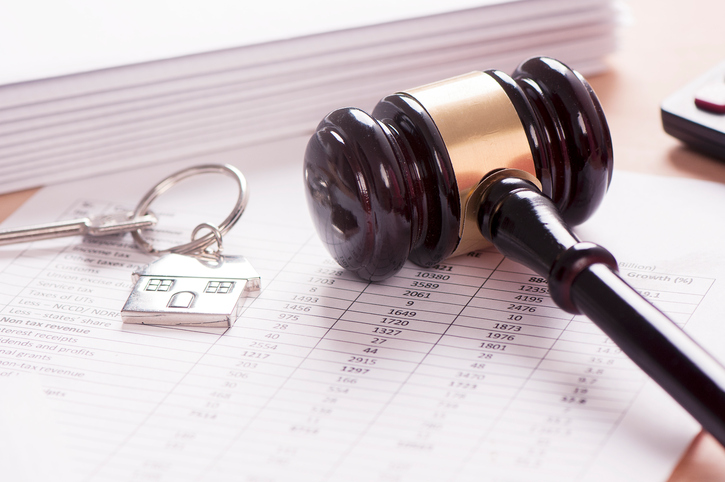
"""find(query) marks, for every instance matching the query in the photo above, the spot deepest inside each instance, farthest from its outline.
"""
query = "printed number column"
(340, 390)
(437, 405)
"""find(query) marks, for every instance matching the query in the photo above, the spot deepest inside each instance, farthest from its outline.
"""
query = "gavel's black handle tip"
(525, 226)
(656, 344)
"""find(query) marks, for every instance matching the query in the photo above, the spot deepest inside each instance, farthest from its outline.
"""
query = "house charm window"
(157, 284)
(221, 287)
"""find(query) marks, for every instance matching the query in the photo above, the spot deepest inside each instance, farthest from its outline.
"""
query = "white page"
(28, 428)
(42, 38)
(319, 381)
(458, 28)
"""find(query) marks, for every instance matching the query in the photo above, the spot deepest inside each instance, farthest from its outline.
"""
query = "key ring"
(195, 246)
(217, 239)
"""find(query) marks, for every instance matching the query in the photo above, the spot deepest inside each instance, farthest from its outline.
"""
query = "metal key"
(103, 225)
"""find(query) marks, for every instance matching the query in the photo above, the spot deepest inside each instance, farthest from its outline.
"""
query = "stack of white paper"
(90, 89)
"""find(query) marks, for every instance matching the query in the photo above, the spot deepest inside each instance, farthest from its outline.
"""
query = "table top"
(663, 46)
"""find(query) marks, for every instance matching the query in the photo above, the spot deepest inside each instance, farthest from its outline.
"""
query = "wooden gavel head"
(406, 182)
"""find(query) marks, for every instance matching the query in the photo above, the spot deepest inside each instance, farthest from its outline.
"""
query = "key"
(103, 225)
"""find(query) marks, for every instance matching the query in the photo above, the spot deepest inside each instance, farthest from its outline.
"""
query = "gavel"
(510, 161)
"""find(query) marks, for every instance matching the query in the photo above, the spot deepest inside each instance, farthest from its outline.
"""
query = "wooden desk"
(666, 45)
(10, 202)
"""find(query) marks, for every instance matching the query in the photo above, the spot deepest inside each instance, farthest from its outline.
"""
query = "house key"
(120, 222)
(192, 284)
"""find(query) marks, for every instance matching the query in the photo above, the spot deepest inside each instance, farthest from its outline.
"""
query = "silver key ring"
(196, 246)
(217, 238)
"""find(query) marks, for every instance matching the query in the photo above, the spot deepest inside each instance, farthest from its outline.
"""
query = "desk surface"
(664, 46)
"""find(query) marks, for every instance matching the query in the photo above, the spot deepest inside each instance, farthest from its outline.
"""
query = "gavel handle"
(525, 226)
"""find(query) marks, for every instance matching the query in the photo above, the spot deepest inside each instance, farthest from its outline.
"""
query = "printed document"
(466, 371)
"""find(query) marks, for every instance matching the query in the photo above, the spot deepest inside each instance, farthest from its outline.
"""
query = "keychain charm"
(179, 289)
(192, 284)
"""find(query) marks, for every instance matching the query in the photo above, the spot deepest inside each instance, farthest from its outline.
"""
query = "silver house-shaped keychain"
(191, 284)
(192, 291)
